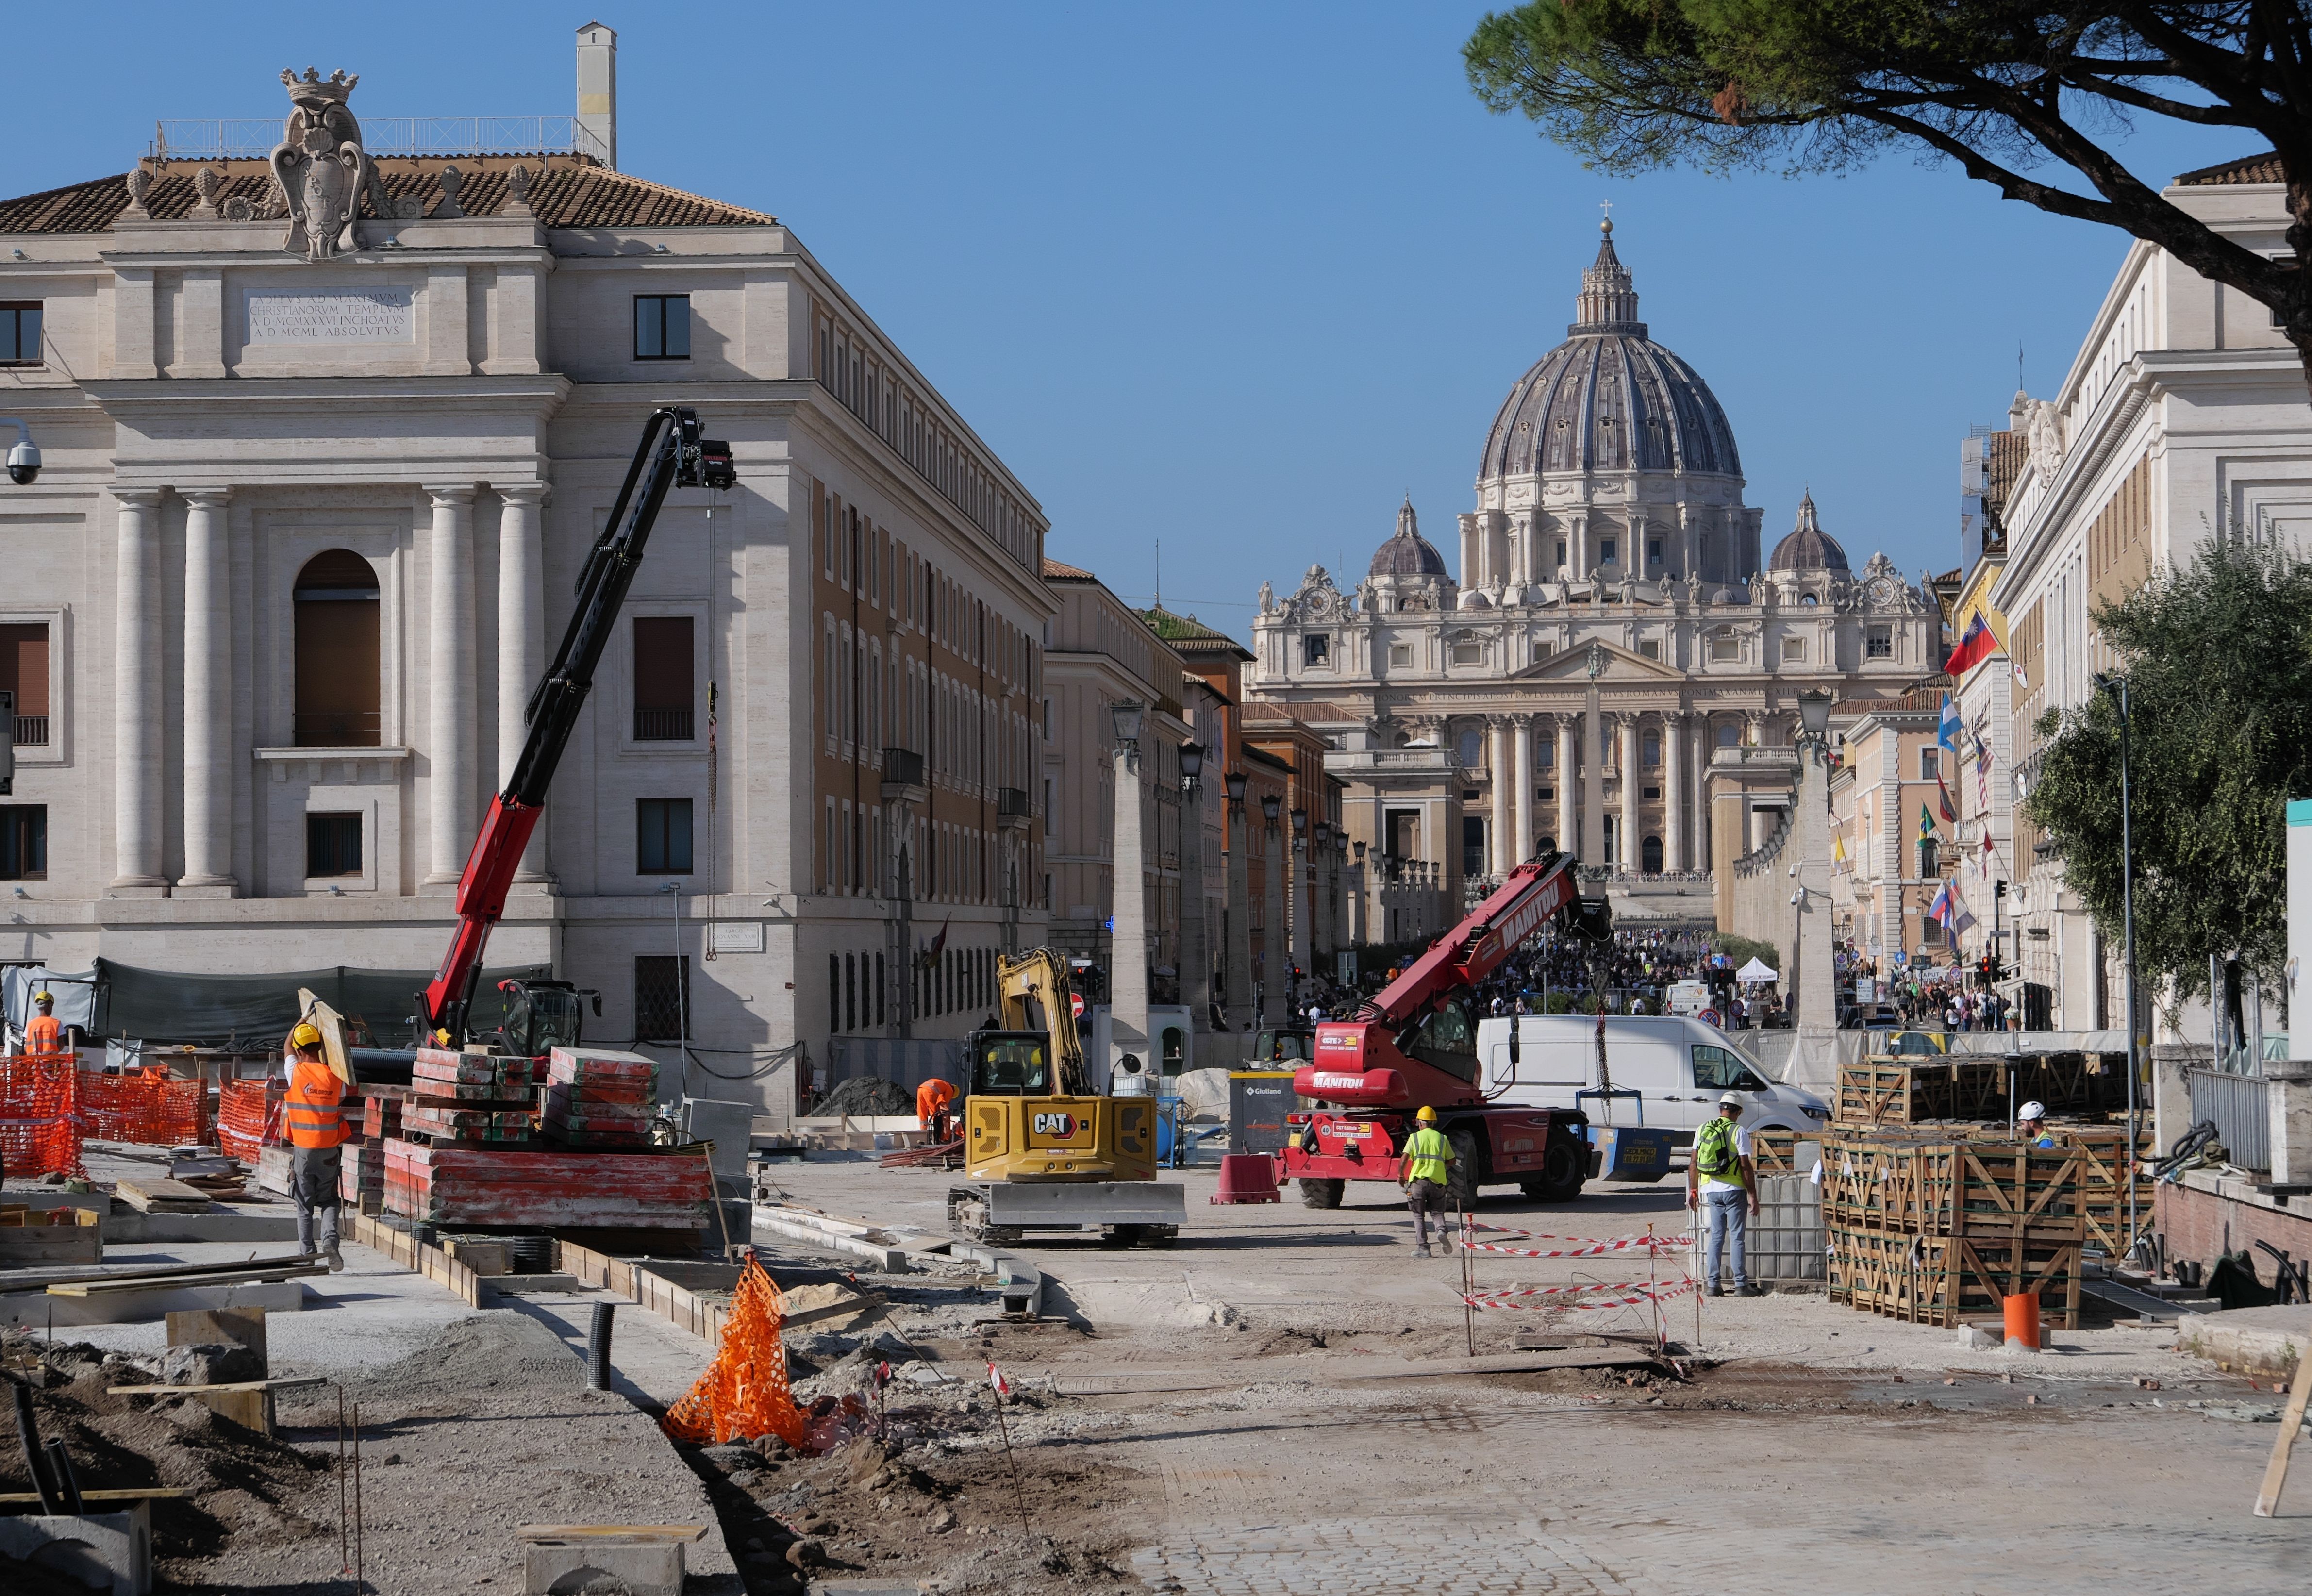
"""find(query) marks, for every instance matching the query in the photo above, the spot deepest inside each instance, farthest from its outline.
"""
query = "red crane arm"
(1535, 893)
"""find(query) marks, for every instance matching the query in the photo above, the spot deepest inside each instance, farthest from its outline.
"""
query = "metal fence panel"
(1786, 1240)
(2237, 1105)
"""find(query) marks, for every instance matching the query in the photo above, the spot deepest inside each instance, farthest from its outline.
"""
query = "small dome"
(1407, 554)
(1808, 547)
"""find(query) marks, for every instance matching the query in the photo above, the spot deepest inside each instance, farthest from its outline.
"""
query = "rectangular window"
(19, 332)
(662, 837)
(1561, 551)
(661, 997)
(661, 326)
(1880, 644)
(1608, 548)
(1930, 763)
(1316, 649)
(835, 991)
(1725, 648)
(1930, 859)
(1400, 653)
(25, 678)
(1794, 650)
(333, 844)
(1653, 551)
(665, 708)
(1650, 647)
(23, 842)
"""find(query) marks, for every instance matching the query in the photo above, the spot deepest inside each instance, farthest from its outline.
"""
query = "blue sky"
(1232, 277)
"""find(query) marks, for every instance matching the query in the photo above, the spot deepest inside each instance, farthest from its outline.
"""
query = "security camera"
(24, 459)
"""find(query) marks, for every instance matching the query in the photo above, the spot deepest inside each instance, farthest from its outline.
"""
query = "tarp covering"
(76, 996)
(214, 1009)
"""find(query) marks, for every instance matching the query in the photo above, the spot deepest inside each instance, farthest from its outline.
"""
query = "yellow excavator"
(1042, 1150)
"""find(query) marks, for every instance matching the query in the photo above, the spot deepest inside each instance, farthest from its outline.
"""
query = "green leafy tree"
(2012, 93)
(2218, 658)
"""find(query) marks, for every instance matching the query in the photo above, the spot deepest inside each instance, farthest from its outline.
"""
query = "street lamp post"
(1194, 966)
(1127, 961)
(1272, 946)
(1321, 931)
(1238, 996)
(1814, 998)
(1299, 944)
(2116, 687)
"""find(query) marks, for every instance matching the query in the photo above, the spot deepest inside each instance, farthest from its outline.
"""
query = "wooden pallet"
(1951, 1280)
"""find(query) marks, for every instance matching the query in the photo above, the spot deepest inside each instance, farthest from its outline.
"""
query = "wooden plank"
(657, 1533)
(225, 1276)
(105, 1494)
(2275, 1471)
(157, 1194)
(171, 1274)
(284, 1383)
(221, 1327)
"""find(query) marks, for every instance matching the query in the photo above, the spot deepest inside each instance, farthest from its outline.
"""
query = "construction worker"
(1422, 1170)
(44, 1036)
(315, 1113)
(2031, 1126)
(1722, 1189)
(931, 1099)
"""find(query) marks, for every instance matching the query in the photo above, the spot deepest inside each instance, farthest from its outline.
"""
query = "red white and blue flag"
(1975, 646)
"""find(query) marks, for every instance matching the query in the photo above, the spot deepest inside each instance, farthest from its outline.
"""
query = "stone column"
(450, 685)
(522, 638)
(1275, 948)
(1569, 833)
(1298, 851)
(137, 696)
(1673, 746)
(1521, 809)
(1127, 963)
(1703, 842)
(1593, 784)
(1632, 780)
(1239, 924)
(1499, 852)
(208, 695)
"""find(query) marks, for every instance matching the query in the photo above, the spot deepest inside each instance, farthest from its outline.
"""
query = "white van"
(1687, 997)
(1678, 1066)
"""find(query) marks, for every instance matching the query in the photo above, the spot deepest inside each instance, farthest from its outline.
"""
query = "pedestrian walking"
(314, 1112)
(1423, 1172)
(1721, 1188)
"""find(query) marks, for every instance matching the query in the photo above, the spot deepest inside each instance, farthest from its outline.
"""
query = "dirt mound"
(495, 1349)
(244, 1486)
(864, 1095)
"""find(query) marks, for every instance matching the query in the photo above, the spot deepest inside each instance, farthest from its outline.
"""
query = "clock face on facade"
(1882, 588)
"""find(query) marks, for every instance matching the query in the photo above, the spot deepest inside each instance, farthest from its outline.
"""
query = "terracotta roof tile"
(1053, 571)
(563, 193)
(2008, 451)
(2249, 168)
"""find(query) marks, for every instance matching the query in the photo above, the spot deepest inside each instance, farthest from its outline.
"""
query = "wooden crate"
(1952, 1280)
(55, 1236)
(1886, 1091)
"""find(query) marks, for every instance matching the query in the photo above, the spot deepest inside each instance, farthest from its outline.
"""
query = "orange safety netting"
(39, 1133)
(744, 1392)
(247, 1118)
(150, 1107)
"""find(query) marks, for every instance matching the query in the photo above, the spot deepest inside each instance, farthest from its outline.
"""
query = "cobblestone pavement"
(1453, 1501)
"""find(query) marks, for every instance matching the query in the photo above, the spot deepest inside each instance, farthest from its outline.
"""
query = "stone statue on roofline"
(320, 165)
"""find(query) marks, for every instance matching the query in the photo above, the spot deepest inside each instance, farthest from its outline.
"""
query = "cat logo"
(1061, 1125)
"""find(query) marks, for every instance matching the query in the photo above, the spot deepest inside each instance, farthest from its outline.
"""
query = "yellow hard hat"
(304, 1035)
(44, 997)
(1428, 1116)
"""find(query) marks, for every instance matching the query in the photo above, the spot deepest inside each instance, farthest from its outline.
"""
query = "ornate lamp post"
(1274, 950)
(1238, 954)
(1194, 965)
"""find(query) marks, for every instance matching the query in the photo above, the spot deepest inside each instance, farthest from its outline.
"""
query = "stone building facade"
(1613, 643)
(318, 482)
(2181, 418)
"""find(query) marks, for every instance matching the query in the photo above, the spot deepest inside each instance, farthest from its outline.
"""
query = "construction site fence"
(39, 1122)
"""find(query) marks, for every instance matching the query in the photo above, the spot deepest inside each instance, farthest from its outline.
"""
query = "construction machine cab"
(541, 1016)
(1008, 1064)
(1295, 1045)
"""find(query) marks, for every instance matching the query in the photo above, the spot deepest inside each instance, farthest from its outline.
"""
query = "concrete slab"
(2264, 1343)
(631, 1568)
(105, 1551)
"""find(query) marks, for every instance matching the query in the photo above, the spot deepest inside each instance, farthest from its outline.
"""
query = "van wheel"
(1320, 1194)
(1461, 1180)
(1564, 1167)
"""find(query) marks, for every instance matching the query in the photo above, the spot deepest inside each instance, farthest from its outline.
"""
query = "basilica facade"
(1616, 671)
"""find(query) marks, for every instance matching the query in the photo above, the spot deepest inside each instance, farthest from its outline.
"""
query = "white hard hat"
(1730, 1100)
(2032, 1111)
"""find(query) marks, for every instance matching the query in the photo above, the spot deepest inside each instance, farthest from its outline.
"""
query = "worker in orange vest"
(44, 1036)
(314, 1112)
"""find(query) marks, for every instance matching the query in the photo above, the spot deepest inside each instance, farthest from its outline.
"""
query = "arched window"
(337, 690)
(1649, 748)
(1472, 743)
(1729, 733)
(1649, 856)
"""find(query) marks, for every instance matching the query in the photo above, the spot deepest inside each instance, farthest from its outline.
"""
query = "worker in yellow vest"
(1423, 1169)
(315, 1115)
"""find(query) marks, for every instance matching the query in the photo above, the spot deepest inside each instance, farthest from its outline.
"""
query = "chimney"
(598, 89)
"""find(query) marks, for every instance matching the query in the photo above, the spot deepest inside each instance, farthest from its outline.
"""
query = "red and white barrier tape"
(1584, 1246)
(1512, 1296)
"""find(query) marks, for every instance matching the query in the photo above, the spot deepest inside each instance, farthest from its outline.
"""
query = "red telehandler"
(546, 1014)
(1416, 1043)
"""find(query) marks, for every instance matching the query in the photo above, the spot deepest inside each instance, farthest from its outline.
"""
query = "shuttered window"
(337, 693)
(665, 687)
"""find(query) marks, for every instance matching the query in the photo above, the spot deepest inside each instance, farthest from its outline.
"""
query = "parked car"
(1676, 1065)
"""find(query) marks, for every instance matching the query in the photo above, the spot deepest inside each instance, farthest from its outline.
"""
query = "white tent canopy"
(1756, 970)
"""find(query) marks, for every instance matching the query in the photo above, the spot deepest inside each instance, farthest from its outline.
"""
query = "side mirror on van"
(1516, 1023)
